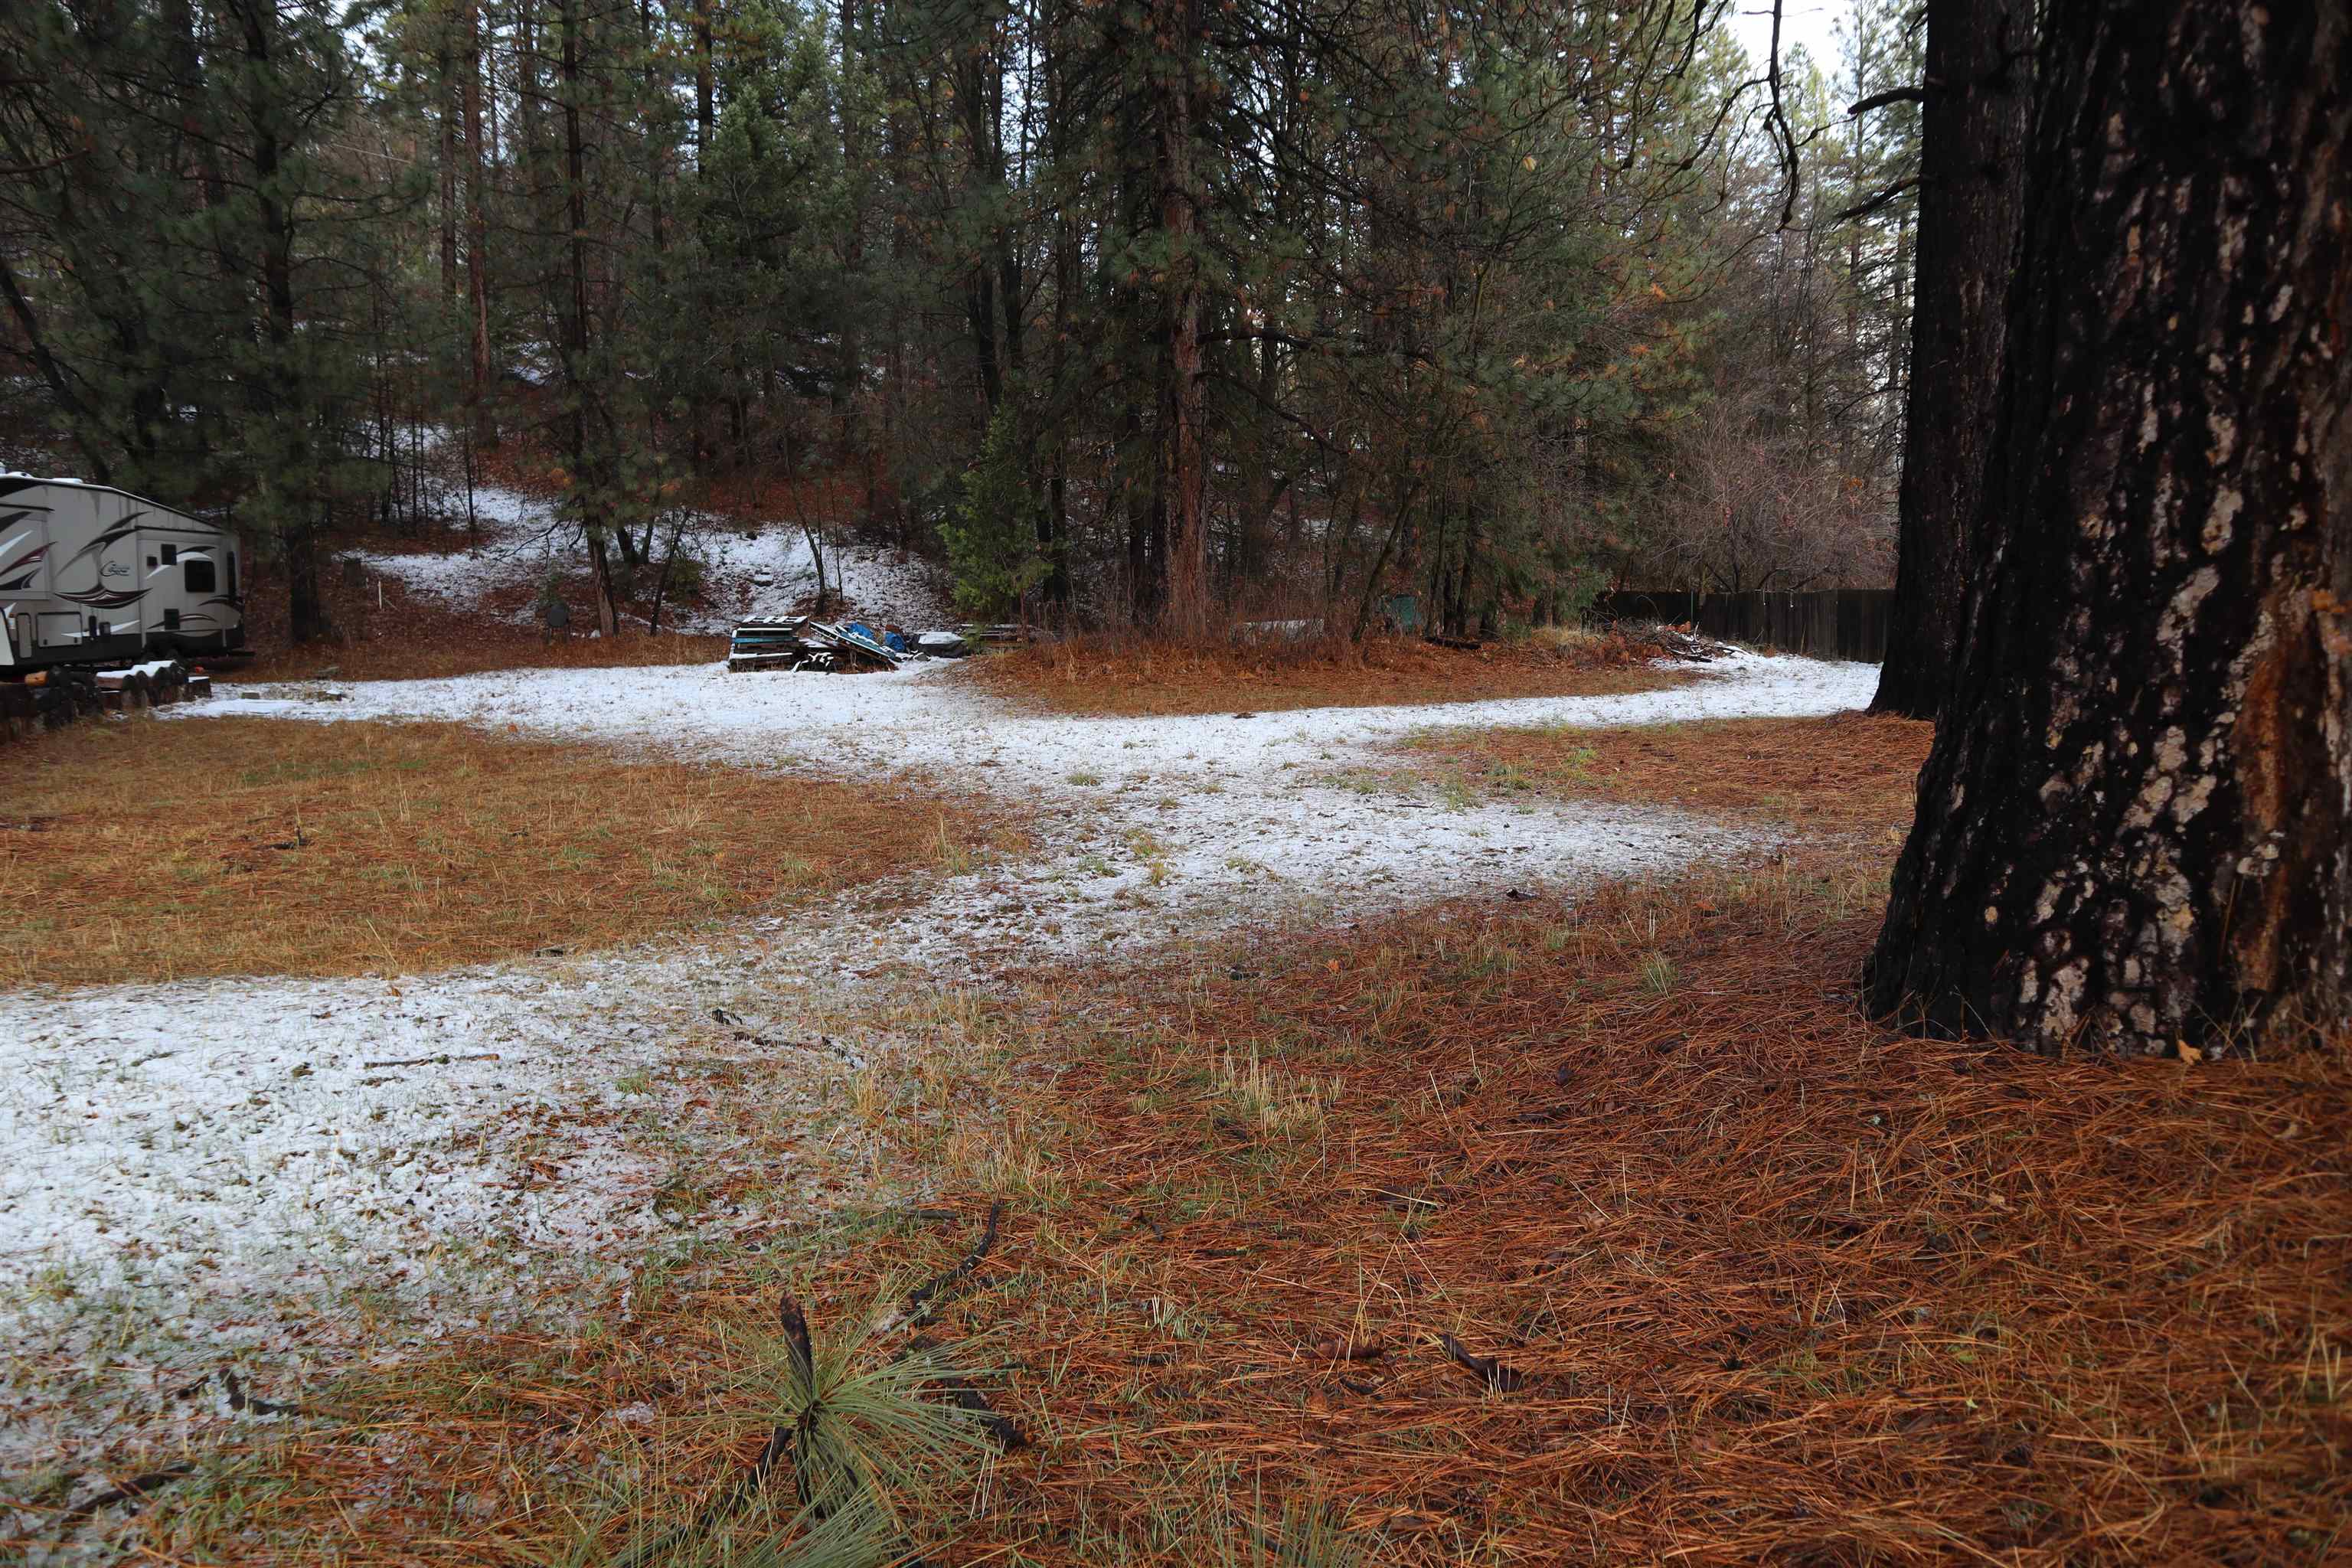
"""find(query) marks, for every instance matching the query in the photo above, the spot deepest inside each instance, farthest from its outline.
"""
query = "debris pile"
(1682, 642)
(803, 642)
(154, 684)
(51, 699)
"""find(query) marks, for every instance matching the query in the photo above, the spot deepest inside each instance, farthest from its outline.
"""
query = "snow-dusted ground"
(748, 570)
(1148, 825)
(199, 1171)
(263, 1173)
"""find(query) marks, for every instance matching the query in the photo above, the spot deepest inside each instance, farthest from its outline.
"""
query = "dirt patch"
(147, 850)
(1087, 676)
(1518, 1232)
(1846, 772)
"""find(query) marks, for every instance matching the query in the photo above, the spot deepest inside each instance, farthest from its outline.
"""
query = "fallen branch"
(244, 1403)
(920, 1299)
(1337, 1349)
(1500, 1378)
(1003, 1428)
(134, 1491)
(740, 1030)
(439, 1061)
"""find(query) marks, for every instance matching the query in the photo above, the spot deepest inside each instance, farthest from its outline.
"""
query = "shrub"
(992, 535)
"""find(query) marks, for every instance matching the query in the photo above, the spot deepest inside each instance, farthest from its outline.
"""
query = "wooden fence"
(1837, 623)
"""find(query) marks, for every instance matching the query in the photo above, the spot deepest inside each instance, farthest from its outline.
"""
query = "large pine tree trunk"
(1971, 168)
(478, 241)
(1183, 476)
(446, 70)
(588, 477)
(2136, 828)
(307, 618)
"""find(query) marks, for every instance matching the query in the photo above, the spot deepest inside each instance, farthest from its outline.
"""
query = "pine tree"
(2135, 831)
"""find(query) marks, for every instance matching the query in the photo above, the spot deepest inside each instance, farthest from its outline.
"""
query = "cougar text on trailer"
(92, 575)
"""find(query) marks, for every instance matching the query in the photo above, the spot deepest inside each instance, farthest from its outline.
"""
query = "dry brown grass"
(1128, 677)
(1761, 1279)
(148, 850)
(1846, 773)
(413, 639)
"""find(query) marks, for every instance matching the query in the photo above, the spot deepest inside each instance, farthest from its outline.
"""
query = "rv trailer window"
(171, 620)
(171, 555)
(199, 574)
(232, 574)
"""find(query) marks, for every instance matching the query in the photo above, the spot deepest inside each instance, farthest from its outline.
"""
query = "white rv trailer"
(91, 574)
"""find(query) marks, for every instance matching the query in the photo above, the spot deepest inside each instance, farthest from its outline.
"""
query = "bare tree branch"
(1892, 95)
(1864, 209)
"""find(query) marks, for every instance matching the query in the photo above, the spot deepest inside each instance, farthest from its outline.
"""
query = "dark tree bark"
(2135, 830)
(587, 463)
(307, 618)
(478, 229)
(274, 392)
(1971, 165)
(705, 123)
(1182, 404)
(445, 65)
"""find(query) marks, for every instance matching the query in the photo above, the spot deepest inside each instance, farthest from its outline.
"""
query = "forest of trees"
(1151, 313)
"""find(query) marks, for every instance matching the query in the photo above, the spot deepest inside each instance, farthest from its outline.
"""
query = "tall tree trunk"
(1139, 491)
(850, 377)
(659, 170)
(1183, 477)
(306, 619)
(705, 109)
(2135, 830)
(477, 239)
(1054, 521)
(446, 65)
(587, 467)
(1972, 166)
(705, 123)
(288, 497)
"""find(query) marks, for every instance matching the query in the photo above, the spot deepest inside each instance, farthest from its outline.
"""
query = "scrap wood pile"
(50, 698)
(803, 642)
(1535, 1240)
(154, 684)
(1661, 641)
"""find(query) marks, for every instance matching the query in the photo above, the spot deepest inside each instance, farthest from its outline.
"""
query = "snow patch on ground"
(1146, 826)
(207, 1170)
(750, 569)
(200, 1171)
(926, 716)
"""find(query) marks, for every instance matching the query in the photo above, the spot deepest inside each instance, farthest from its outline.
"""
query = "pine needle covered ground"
(1849, 771)
(1134, 678)
(152, 850)
(1508, 1232)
